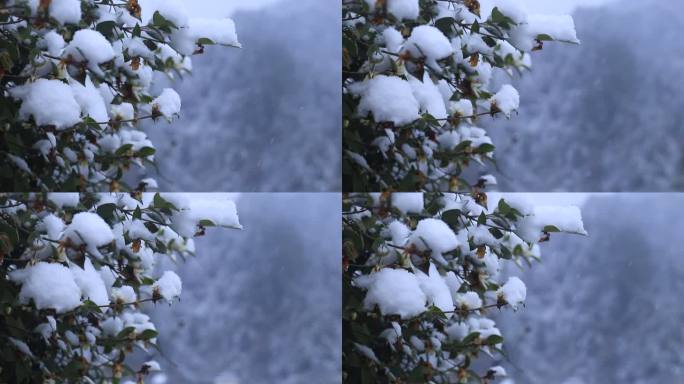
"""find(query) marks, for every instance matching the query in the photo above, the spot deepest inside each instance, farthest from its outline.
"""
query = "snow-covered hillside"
(260, 305)
(606, 308)
(265, 117)
(605, 115)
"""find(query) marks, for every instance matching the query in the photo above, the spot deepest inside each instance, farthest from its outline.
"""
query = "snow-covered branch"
(77, 270)
(418, 74)
(421, 271)
(79, 78)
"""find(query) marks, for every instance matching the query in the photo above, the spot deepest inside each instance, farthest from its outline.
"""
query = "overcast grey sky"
(554, 198)
(223, 8)
(549, 6)
(218, 8)
(213, 8)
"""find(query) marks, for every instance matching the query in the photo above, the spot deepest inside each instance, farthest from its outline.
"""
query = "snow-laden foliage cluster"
(76, 79)
(422, 274)
(76, 270)
(416, 78)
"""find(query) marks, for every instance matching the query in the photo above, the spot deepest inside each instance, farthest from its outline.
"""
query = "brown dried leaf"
(473, 6)
(135, 63)
(44, 4)
(474, 59)
(136, 246)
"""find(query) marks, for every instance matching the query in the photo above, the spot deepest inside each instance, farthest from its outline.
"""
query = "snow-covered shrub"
(417, 77)
(423, 271)
(75, 272)
(77, 77)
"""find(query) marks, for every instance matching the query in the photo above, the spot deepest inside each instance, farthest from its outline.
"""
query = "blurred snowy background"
(265, 117)
(604, 308)
(262, 305)
(604, 116)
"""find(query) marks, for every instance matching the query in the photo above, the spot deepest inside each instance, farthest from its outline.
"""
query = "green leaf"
(493, 340)
(497, 16)
(152, 227)
(417, 375)
(489, 41)
(482, 219)
(444, 24)
(92, 124)
(106, 211)
(125, 332)
(146, 151)
(73, 369)
(503, 207)
(470, 338)
(484, 148)
(501, 19)
(162, 23)
(462, 146)
(160, 203)
(452, 217)
(136, 31)
(80, 76)
(89, 307)
(148, 334)
(78, 259)
(506, 253)
(106, 28)
(436, 312)
(205, 41)
(123, 149)
(11, 233)
(207, 223)
(496, 233)
(350, 48)
(150, 44)
(6, 61)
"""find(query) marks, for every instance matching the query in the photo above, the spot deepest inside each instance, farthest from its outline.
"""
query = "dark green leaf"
(125, 332)
(148, 334)
(123, 149)
(205, 41)
(484, 148)
(445, 24)
(146, 151)
(452, 217)
(470, 338)
(106, 211)
(493, 340)
(207, 223)
(106, 28)
(482, 219)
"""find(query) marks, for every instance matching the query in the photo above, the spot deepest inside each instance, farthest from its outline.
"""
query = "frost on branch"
(418, 76)
(77, 271)
(421, 279)
(77, 79)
